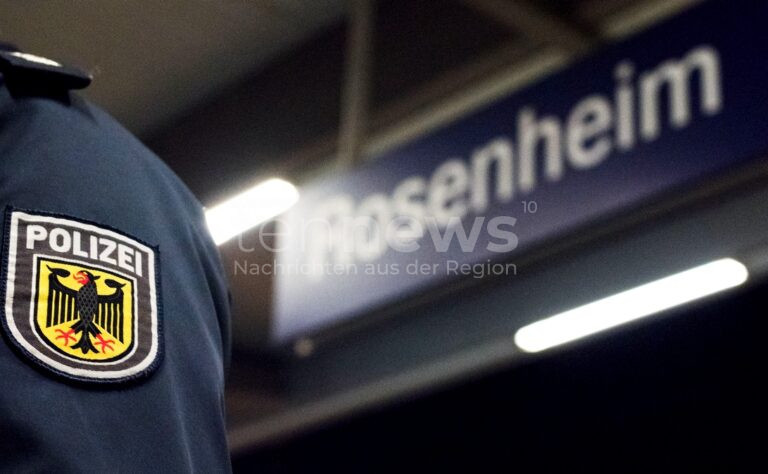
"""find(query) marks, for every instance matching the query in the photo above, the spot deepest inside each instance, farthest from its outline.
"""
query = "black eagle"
(86, 306)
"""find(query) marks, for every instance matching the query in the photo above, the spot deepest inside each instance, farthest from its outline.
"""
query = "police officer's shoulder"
(26, 74)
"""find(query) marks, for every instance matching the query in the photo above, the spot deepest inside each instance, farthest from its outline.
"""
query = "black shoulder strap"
(30, 73)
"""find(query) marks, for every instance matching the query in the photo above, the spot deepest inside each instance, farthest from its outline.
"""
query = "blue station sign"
(680, 102)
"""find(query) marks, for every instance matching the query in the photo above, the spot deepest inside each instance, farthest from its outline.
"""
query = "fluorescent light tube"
(250, 208)
(632, 304)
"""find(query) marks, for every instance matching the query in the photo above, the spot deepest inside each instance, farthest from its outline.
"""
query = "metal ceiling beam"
(356, 92)
(639, 15)
(535, 23)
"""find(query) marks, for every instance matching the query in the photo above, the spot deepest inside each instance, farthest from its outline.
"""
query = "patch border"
(78, 372)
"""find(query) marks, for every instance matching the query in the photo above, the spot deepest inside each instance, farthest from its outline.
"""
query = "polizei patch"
(80, 299)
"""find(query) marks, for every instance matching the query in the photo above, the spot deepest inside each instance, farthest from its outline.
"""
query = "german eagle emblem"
(93, 314)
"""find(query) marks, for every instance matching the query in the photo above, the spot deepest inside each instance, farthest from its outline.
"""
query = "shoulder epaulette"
(35, 73)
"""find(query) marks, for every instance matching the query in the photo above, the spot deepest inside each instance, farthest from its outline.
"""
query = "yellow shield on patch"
(83, 311)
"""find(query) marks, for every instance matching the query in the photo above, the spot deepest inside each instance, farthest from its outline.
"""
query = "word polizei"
(98, 248)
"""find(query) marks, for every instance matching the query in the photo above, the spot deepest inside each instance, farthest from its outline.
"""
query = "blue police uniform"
(114, 304)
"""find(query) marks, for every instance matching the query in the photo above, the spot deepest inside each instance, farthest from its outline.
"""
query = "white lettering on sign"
(545, 149)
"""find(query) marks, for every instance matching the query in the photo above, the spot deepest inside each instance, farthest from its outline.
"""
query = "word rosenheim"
(595, 127)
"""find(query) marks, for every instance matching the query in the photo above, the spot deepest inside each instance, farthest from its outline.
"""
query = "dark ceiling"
(154, 60)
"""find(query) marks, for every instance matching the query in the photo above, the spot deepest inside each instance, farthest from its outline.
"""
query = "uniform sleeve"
(72, 167)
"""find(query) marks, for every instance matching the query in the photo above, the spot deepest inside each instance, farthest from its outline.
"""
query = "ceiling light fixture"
(250, 208)
(632, 304)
